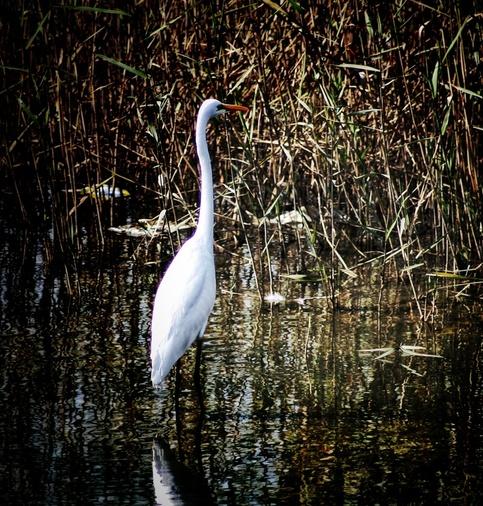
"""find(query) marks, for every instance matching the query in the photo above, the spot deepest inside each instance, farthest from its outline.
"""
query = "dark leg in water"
(177, 408)
(197, 377)
(199, 392)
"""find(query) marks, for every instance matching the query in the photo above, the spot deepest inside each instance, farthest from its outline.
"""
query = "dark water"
(290, 411)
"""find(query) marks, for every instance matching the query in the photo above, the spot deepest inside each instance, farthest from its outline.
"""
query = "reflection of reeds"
(367, 118)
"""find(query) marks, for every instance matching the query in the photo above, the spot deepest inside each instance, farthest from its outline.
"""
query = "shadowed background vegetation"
(365, 120)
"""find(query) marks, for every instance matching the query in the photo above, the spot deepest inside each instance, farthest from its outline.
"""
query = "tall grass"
(365, 116)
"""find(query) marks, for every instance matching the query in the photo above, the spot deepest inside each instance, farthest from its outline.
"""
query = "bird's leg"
(177, 408)
(199, 392)
(197, 376)
(177, 384)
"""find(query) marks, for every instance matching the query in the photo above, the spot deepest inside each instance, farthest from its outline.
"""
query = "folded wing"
(180, 315)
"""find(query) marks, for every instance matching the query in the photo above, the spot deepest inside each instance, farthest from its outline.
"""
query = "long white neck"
(204, 229)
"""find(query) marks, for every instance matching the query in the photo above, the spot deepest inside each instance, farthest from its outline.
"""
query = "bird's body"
(180, 316)
(186, 294)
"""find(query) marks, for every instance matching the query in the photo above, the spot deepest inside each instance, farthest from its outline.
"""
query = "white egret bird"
(186, 294)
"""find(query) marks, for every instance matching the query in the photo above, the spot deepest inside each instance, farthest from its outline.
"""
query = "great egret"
(186, 294)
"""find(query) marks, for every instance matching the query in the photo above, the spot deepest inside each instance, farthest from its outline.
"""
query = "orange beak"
(240, 108)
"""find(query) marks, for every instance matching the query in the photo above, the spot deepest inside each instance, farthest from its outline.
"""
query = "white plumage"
(186, 294)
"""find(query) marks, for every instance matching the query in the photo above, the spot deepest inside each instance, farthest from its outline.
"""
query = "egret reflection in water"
(174, 483)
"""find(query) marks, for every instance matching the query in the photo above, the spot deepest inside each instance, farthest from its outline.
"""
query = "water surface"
(290, 411)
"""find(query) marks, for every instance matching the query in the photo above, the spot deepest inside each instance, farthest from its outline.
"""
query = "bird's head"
(213, 107)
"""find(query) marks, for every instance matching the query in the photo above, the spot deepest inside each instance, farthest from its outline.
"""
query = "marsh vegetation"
(367, 117)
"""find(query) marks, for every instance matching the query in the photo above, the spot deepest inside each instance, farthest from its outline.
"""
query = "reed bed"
(365, 122)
